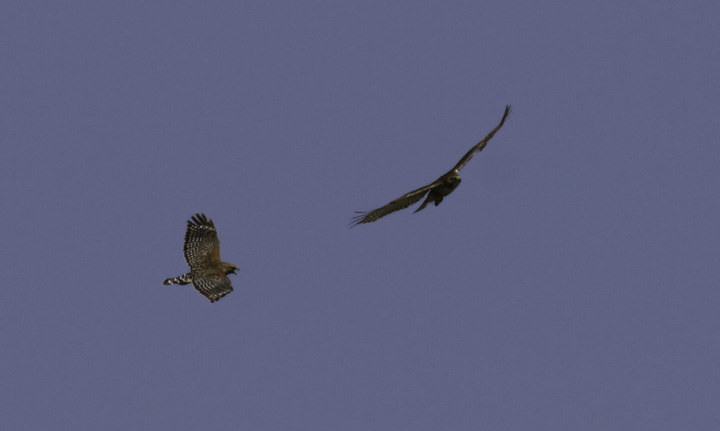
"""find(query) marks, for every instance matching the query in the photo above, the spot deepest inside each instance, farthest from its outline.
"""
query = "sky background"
(570, 282)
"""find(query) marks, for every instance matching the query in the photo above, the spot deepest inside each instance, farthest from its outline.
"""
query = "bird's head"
(455, 176)
(230, 269)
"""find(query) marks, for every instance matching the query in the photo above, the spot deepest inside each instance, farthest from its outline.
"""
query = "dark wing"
(213, 287)
(466, 158)
(201, 243)
(402, 202)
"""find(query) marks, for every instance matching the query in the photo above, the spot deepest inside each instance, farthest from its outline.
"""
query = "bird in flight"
(208, 274)
(435, 191)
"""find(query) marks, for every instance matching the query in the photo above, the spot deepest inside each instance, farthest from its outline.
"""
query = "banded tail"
(183, 279)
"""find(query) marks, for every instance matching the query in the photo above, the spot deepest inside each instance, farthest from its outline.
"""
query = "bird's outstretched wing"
(403, 201)
(213, 287)
(201, 242)
(480, 145)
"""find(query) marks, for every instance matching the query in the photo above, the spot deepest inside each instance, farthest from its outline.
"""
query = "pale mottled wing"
(213, 287)
(480, 145)
(201, 243)
(402, 202)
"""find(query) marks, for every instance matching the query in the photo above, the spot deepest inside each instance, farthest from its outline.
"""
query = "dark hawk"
(435, 191)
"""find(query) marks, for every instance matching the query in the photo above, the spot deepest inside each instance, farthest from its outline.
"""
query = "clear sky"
(570, 282)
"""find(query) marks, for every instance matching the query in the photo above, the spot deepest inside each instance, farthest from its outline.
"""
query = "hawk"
(435, 191)
(207, 273)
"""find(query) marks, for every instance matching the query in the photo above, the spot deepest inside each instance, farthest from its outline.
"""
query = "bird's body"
(445, 185)
(208, 273)
(436, 191)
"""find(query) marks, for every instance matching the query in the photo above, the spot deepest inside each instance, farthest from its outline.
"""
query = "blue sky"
(570, 282)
